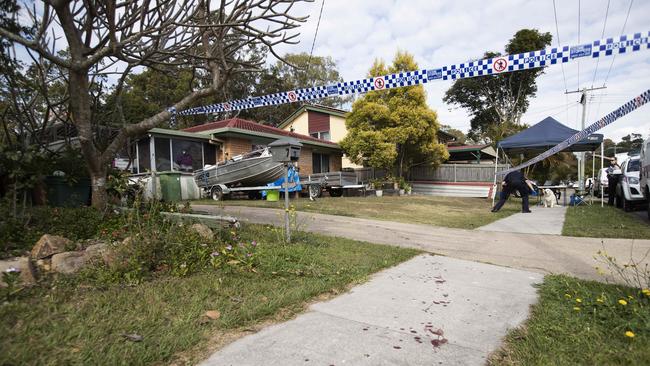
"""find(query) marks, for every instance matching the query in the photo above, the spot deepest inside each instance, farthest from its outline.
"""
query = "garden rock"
(203, 230)
(69, 262)
(27, 272)
(49, 245)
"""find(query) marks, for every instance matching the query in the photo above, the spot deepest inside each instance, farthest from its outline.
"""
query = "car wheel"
(217, 193)
(627, 205)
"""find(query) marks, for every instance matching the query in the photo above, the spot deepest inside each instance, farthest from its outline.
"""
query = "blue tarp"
(293, 178)
(546, 134)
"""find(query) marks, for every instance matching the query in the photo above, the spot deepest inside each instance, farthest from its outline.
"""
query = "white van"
(644, 180)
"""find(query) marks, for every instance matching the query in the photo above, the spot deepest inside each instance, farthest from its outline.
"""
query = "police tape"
(489, 66)
(621, 111)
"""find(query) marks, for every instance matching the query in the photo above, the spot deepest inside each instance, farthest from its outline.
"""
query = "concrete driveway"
(539, 253)
(429, 310)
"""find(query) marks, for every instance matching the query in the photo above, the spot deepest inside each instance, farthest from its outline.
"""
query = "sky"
(438, 33)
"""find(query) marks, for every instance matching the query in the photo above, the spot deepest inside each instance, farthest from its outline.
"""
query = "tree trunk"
(99, 193)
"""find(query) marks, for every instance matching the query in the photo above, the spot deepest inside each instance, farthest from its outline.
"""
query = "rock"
(44, 264)
(203, 230)
(70, 262)
(24, 265)
(49, 245)
(213, 314)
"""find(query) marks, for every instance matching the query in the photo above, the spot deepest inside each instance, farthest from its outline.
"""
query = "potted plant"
(378, 185)
(408, 188)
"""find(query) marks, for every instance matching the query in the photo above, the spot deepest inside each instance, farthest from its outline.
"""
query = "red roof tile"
(251, 126)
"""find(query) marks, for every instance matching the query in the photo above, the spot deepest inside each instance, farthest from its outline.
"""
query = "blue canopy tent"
(544, 135)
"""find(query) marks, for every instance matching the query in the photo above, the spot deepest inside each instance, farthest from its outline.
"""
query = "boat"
(256, 168)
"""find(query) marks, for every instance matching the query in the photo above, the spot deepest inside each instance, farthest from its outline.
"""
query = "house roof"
(313, 107)
(177, 133)
(470, 152)
(242, 126)
(460, 148)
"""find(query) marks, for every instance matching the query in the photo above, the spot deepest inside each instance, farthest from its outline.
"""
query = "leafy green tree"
(460, 136)
(497, 102)
(394, 128)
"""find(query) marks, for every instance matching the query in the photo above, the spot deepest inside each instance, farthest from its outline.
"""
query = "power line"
(622, 32)
(602, 35)
(557, 32)
(313, 43)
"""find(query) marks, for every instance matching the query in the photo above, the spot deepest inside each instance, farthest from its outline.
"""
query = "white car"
(628, 189)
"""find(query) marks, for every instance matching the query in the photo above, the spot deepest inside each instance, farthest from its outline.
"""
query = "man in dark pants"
(514, 181)
(612, 180)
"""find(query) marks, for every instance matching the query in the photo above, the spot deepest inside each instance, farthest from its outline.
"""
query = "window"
(188, 155)
(143, 156)
(634, 166)
(163, 157)
(209, 154)
(325, 135)
(320, 163)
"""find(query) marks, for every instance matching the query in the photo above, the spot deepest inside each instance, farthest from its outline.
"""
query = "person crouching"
(514, 181)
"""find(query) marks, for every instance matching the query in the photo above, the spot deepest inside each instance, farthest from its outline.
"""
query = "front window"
(320, 163)
(634, 166)
(163, 157)
(325, 135)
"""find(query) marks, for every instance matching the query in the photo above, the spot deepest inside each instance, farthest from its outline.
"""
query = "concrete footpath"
(539, 253)
(427, 311)
(541, 220)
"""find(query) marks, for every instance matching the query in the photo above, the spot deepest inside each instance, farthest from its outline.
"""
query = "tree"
(301, 71)
(497, 102)
(631, 142)
(393, 128)
(109, 37)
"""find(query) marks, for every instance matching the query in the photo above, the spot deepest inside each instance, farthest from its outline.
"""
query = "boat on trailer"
(244, 172)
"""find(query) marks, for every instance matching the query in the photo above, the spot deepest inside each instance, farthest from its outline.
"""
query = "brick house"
(237, 136)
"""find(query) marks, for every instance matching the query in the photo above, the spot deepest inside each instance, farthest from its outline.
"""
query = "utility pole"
(581, 156)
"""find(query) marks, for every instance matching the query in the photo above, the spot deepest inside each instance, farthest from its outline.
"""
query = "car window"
(634, 166)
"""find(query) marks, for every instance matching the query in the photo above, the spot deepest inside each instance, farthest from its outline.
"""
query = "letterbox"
(285, 150)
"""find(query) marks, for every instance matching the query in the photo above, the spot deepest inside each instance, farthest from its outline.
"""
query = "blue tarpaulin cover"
(293, 178)
(546, 134)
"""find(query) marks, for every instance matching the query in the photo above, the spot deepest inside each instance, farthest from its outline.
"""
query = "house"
(328, 123)
(471, 154)
(185, 151)
(239, 136)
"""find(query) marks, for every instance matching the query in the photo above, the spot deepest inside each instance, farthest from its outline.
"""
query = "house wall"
(305, 163)
(336, 163)
(236, 146)
(300, 125)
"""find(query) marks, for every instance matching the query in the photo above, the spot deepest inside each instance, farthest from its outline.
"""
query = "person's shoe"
(495, 210)
(527, 211)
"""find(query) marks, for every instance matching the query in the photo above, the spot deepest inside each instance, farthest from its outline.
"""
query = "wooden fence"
(443, 173)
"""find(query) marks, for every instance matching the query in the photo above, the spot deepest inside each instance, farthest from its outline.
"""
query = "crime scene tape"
(489, 66)
(621, 111)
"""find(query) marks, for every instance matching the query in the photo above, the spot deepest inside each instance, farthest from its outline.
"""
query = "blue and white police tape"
(489, 66)
(621, 111)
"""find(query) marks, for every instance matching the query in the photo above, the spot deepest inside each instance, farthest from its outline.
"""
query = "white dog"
(549, 198)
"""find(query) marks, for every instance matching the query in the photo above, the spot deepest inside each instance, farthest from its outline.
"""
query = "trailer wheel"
(315, 191)
(216, 193)
(336, 192)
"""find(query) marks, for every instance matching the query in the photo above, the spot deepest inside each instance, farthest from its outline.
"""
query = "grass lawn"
(603, 222)
(454, 212)
(581, 323)
(69, 323)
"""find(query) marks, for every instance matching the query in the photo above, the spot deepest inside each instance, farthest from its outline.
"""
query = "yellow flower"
(622, 302)
(567, 296)
(576, 308)
(646, 291)
(600, 300)
(629, 334)
(578, 300)
(630, 297)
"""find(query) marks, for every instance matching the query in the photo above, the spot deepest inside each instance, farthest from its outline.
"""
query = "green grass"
(603, 222)
(71, 324)
(557, 334)
(453, 212)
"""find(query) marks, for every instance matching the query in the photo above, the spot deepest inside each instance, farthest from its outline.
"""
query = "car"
(628, 189)
(644, 174)
(601, 185)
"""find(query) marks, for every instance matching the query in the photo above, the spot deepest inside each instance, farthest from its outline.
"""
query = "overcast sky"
(439, 33)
